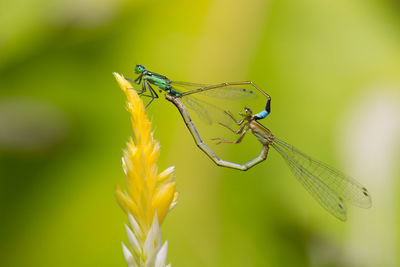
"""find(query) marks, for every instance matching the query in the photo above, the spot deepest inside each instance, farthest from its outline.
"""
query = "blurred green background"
(331, 67)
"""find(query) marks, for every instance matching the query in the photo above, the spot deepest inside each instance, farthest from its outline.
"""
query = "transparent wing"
(199, 108)
(223, 91)
(331, 188)
(206, 111)
(210, 101)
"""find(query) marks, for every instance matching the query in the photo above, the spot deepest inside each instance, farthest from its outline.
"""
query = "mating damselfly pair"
(330, 187)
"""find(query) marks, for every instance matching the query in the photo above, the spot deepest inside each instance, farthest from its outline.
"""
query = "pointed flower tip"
(120, 79)
(135, 227)
(166, 175)
(122, 82)
(161, 257)
(133, 240)
(134, 103)
(152, 243)
(127, 254)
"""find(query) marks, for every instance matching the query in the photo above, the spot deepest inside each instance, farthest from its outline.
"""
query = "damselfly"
(330, 187)
(228, 90)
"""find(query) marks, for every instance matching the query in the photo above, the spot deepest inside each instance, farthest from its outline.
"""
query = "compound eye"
(139, 69)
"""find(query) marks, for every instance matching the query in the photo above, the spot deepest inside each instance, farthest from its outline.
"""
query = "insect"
(331, 188)
(186, 91)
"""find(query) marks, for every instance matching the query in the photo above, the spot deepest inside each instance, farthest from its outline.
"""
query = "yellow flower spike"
(149, 195)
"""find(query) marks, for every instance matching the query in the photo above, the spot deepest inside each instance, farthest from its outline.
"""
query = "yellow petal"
(125, 201)
(166, 175)
(163, 198)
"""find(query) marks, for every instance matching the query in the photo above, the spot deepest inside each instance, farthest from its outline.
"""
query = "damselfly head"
(139, 69)
(247, 112)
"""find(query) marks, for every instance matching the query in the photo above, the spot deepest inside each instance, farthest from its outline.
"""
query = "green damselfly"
(186, 91)
(330, 187)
